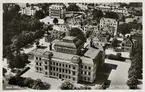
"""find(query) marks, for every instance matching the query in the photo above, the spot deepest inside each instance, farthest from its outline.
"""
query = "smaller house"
(30, 11)
(127, 44)
(94, 29)
(58, 32)
(99, 41)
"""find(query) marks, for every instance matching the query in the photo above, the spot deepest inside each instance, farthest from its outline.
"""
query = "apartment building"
(64, 62)
(109, 23)
(57, 11)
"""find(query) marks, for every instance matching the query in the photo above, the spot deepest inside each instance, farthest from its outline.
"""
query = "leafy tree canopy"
(111, 15)
(78, 33)
(73, 7)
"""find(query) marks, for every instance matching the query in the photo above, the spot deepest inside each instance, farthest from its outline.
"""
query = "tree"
(111, 15)
(132, 82)
(55, 20)
(39, 14)
(77, 33)
(27, 82)
(135, 71)
(122, 5)
(17, 60)
(124, 28)
(73, 7)
(114, 42)
(4, 71)
(97, 14)
(67, 85)
(135, 4)
(123, 18)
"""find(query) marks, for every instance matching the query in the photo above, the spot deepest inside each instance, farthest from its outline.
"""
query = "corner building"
(57, 11)
(65, 62)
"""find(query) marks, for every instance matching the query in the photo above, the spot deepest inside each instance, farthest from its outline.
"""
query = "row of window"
(85, 78)
(56, 8)
(62, 65)
(38, 69)
(38, 58)
(62, 75)
(85, 67)
(103, 21)
(64, 50)
(39, 64)
(85, 73)
(102, 25)
(61, 70)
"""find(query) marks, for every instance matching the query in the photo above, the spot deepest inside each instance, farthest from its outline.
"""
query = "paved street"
(119, 75)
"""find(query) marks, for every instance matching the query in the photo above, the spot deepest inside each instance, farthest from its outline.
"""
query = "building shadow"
(102, 75)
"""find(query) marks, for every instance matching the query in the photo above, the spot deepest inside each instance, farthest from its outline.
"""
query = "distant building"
(59, 31)
(65, 63)
(104, 8)
(109, 23)
(82, 6)
(74, 20)
(30, 11)
(92, 28)
(123, 11)
(57, 11)
(127, 44)
(99, 41)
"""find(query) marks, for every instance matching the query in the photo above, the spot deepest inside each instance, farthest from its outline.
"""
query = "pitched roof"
(70, 58)
(69, 42)
(92, 53)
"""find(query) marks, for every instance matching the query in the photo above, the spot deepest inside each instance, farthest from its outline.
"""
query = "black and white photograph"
(72, 45)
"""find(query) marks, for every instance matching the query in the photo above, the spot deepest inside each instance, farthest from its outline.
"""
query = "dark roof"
(69, 42)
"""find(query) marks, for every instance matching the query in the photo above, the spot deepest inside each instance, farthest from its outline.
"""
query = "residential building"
(124, 11)
(94, 29)
(99, 41)
(127, 44)
(59, 31)
(65, 63)
(57, 11)
(30, 11)
(109, 23)
(73, 20)
(104, 8)
(82, 6)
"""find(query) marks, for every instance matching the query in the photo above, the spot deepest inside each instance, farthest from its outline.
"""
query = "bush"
(28, 82)
(67, 86)
(132, 82)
